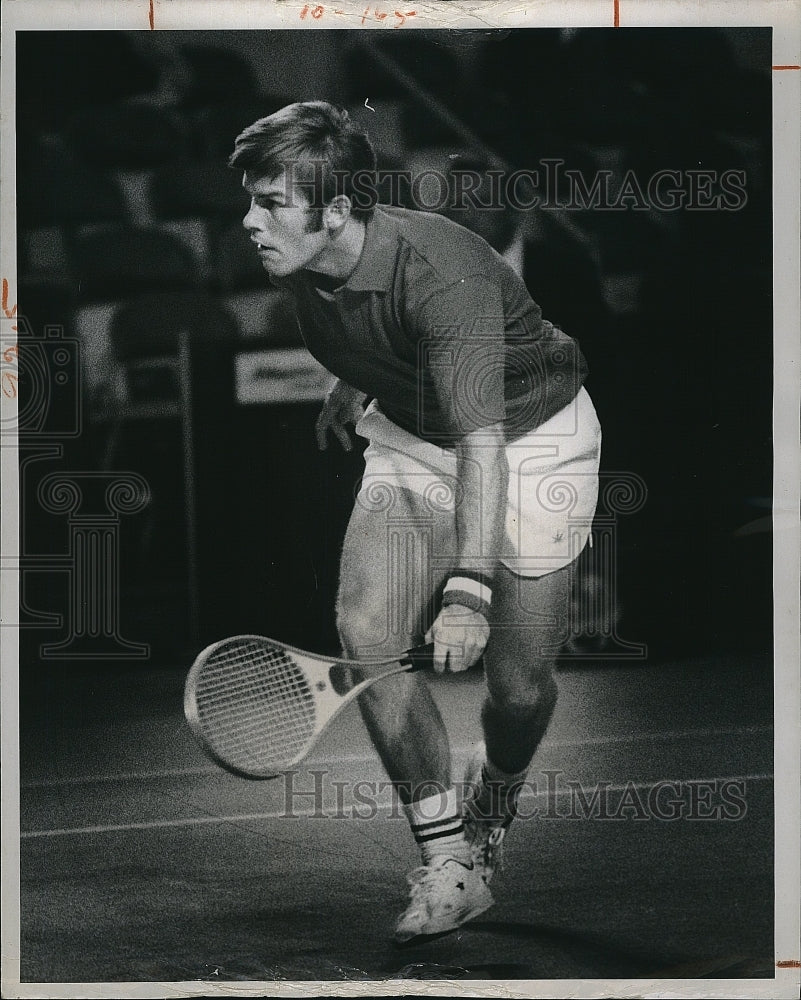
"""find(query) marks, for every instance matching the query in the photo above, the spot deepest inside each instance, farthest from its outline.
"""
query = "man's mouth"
(263, 248)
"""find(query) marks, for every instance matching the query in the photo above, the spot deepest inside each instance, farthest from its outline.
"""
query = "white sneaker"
(485, 836)
(444, 895)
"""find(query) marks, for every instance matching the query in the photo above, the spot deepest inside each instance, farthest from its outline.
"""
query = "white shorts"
(553, 481)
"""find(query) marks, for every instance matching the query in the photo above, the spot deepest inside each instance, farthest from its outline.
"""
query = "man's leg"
(529, 616)
(385, 589)
(381, 605)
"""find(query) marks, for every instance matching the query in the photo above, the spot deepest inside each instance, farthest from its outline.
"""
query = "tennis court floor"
(644, 848)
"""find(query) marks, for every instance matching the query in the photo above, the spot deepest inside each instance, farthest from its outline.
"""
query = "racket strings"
(255, 705)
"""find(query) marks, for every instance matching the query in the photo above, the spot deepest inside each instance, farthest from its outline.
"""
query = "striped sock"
(437, 827)
(498, 793)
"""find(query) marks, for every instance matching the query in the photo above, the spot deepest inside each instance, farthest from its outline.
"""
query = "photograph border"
(784, 16)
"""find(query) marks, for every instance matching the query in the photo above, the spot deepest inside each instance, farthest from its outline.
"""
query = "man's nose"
(249, 221)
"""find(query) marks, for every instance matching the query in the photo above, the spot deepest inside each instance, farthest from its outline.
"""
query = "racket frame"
(416, 658)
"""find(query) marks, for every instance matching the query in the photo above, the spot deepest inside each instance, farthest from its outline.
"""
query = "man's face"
(279, 222)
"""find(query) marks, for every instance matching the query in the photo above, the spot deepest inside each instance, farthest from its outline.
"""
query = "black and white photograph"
(400, 499)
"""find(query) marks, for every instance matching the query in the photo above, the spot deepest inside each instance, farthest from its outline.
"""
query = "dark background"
(123, 195)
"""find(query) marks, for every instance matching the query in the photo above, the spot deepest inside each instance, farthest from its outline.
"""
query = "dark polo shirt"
(437, 327)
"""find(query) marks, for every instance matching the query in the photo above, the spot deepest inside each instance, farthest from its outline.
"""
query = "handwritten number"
(9, 312)
(11, 379)
(378, 15)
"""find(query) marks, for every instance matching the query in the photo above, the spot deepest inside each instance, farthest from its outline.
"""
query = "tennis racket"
(258, 706)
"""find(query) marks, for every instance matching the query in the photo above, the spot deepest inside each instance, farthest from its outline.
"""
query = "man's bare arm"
(460, 633)
(483, 475)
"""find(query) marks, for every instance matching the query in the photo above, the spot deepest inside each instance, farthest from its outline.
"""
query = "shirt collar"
(379, 254)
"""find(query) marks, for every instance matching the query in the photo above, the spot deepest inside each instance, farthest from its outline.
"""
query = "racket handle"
(419, 657)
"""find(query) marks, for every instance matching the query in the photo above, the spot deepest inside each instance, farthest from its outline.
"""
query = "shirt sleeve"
(461, 352)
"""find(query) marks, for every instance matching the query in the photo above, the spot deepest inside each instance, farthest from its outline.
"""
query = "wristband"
(470, 589)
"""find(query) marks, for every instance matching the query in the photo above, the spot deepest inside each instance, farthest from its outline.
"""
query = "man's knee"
(524, 695)
(389, 700)
(363, 628)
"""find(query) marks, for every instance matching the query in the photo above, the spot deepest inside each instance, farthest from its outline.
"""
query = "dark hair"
(327, 150)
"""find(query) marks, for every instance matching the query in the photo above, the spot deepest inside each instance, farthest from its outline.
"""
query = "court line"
(91, 779)
(207, 769)
(526, 795)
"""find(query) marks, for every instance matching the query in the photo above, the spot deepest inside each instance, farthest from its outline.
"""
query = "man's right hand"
(343, 405)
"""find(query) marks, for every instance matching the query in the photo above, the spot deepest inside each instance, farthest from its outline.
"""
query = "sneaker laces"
(487, 836)
(428, 878)
(493, 849)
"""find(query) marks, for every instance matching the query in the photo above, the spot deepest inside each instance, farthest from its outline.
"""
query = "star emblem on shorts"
(558, 536)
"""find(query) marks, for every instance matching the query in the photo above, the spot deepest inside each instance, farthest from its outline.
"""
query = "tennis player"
(480, 430)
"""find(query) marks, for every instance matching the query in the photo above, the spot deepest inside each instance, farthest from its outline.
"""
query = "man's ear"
(337, 212)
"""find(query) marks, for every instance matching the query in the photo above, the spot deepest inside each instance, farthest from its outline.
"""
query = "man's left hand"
(459, 636)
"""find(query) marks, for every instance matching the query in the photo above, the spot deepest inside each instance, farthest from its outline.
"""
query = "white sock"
(437, 827)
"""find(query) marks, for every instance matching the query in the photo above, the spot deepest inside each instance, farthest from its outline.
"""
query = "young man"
(480, 480)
